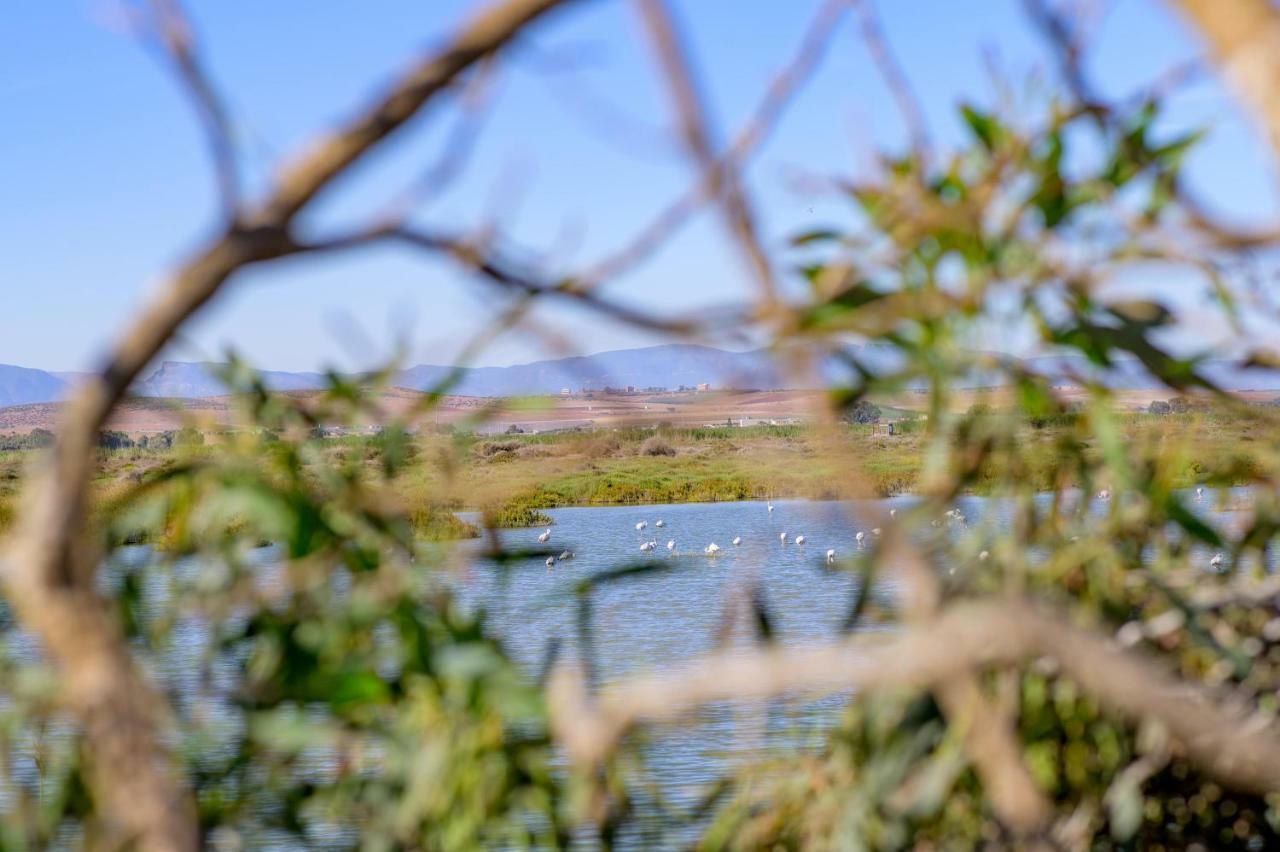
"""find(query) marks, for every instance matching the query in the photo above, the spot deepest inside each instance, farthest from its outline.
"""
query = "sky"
(106, 182)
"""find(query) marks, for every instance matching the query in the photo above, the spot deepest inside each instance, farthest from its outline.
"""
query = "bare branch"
(723, 184)
(172, 28)
(766, 115)
(1244, 35)
(473, 255)
(1229, 741)
(896, 80)
(330, 157)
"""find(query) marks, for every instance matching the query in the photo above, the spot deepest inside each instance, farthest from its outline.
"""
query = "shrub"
(656, 446)
(862, 412)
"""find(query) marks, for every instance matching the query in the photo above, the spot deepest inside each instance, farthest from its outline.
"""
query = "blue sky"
(106, 182)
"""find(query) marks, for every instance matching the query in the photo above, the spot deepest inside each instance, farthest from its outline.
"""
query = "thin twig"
(172, 28)
(723, 184)
(896, 80)
(753, 134)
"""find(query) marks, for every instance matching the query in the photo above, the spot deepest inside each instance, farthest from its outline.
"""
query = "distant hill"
(655, 366)
(668, 366)
(190, 380)
(22, 385)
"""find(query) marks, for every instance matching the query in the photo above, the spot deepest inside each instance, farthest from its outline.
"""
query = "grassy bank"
(515, 478)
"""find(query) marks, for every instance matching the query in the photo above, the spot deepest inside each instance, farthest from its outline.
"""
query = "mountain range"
(668, 366)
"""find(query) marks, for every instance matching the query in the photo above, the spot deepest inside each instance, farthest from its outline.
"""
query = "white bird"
(982, 557)
(859, 537)
(799, 539)
(1104, 494)
(568, 554)
(771, 506)
(712, 549)
(875, 531)
(831, 556)
(641, 525)
(1199, 492)
(893, 512)
(1216, 560)
(646, 547)
(551, 560)
(545, 537)
(782, 537)
(660, 523)
(671, 545)
(737, 539)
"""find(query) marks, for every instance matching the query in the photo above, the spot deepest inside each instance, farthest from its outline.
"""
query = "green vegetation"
(513, 479)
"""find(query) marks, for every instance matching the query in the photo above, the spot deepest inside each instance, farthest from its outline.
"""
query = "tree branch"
(722, 183)
(1229, 741)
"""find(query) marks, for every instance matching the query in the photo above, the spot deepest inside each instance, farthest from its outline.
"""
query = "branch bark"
(1244, 36)
(1228, 740)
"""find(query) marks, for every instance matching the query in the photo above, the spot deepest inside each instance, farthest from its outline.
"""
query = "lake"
(661, 618)
(655, 619)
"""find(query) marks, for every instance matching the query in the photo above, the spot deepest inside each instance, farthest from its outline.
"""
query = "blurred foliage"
(327, 689)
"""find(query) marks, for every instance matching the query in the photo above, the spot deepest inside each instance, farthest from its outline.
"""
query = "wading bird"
(551, 560)
(771, 506)
(782, 537)
(737, 539)
(660, 524)
(1104, 494)
(1199, 492)
(859, 537)
(1216, 560)
(646, 547)
(568, 554)
(799, 539)
(831, 556)
(712, 549)
(671, 545)
(641, 525)
(875, 531)
(893, 512)
(545, 537)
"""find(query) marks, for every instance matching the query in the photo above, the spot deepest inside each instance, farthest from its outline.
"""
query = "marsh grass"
(516, 478)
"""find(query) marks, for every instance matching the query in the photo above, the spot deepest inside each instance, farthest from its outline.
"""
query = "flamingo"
(545, 537)
(859, 537)
(831, 556)
(646, 547)
(660, 523)
(799, 539)
(641, 525)
(737, 540)
(782, 537)
(551, 560)
(671, 546)
(712, 549)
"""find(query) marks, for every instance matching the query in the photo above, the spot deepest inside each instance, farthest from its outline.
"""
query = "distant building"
(565, 392)
(704, 386)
